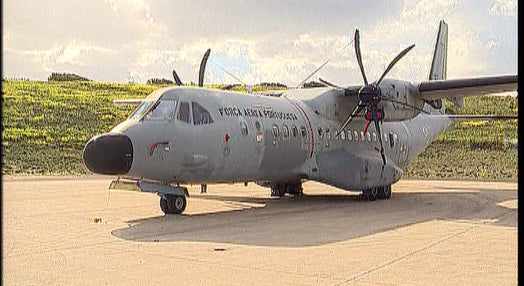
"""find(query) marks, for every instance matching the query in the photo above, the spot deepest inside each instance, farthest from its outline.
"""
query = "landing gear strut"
(378, 193)
(172, 204)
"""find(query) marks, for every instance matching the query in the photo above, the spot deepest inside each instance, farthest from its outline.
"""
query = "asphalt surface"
(72, 231)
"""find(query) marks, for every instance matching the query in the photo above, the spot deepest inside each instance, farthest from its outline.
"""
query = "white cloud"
(492, 44)
(503, 7)
(262, 41)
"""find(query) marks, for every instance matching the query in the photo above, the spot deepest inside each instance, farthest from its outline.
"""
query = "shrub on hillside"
(66, 77)
(158, 81)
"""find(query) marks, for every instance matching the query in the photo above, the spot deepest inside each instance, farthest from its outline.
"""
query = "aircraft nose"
(108, 154)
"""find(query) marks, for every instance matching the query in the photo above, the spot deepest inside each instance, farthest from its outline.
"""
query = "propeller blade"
(366, 126)
(359, 56)
(329, 84)
(394, 61)
(203, 68)
(353, 114)
(177, 79)
(377, 126)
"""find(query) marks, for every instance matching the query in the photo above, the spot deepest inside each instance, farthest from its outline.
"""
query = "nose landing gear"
(173, 204)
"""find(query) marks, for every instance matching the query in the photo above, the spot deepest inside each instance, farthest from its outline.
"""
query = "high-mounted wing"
(457, 89)
(126, 101)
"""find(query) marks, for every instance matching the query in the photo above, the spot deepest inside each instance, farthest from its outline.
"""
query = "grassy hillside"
(46, 124)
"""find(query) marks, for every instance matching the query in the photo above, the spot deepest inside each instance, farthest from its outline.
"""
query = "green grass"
(46, 124)
(473, 149)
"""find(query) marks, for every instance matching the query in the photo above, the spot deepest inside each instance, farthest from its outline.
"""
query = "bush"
(66, 77)
(158, 81)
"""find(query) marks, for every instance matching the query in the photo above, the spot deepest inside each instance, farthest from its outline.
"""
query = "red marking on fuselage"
(308, 125)
(154, 145)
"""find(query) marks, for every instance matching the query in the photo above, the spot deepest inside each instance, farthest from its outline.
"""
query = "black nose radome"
(109, 154)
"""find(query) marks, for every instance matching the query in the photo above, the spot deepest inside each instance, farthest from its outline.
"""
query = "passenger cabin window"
(392, 139)
(294, 131)
(275, 130)
(303, 131)
(183, 112)
(243, 128)
(285, 131)
(162, 110)
(200, 115)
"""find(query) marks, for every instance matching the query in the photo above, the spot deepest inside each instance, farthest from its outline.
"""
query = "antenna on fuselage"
(322, 65)
(248, 86)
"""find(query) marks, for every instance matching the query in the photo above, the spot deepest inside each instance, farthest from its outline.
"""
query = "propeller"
(370, 96)
(200, 73)
(177, 79)
(203, 68)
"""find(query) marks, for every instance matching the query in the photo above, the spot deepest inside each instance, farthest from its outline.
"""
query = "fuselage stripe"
(308, 124)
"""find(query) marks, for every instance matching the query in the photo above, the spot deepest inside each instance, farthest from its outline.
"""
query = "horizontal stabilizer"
(458, 118)
(126, 101)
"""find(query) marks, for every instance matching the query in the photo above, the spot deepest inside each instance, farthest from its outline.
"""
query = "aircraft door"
(259, 139)
(304, 137)
(405, 141)
(160, 138)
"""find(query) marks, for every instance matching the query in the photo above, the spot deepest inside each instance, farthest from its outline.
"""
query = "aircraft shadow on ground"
(313, 220)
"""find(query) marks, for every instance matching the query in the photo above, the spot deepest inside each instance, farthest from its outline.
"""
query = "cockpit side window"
(200, 115)
(183, 112)
(162, 110)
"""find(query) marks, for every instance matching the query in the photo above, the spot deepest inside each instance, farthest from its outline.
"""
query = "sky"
(257, 41)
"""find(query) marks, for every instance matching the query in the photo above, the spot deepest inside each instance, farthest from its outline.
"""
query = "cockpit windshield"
(162, 110)
(140, 110)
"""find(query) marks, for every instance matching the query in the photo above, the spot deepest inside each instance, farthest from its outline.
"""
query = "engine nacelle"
(399, 103)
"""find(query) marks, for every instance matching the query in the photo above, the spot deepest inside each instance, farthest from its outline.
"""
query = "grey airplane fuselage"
(215, 136)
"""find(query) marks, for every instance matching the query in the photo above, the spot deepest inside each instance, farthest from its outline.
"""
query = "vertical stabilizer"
(440, 55)
(439, 63)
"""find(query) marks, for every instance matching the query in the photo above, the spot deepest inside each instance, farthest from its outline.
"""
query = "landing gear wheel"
(278, 191)
(384, 193)
(387, 192)
(373, 194)
(163, 205)
(295, 190)
(365, 195)
(171, 204)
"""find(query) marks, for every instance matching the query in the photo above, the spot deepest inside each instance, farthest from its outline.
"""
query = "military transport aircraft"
(193, 135)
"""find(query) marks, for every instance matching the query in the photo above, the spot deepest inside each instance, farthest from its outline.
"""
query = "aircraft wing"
(126, 101)
(456, 89)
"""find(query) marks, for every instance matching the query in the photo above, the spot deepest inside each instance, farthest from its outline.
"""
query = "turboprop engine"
(398, 102)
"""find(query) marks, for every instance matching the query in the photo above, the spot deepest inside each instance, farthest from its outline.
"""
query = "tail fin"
(440, 58)
(440, 55)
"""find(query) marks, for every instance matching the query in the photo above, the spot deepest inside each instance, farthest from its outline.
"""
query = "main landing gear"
(280, 190)
(378, 193)
(173, 204)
